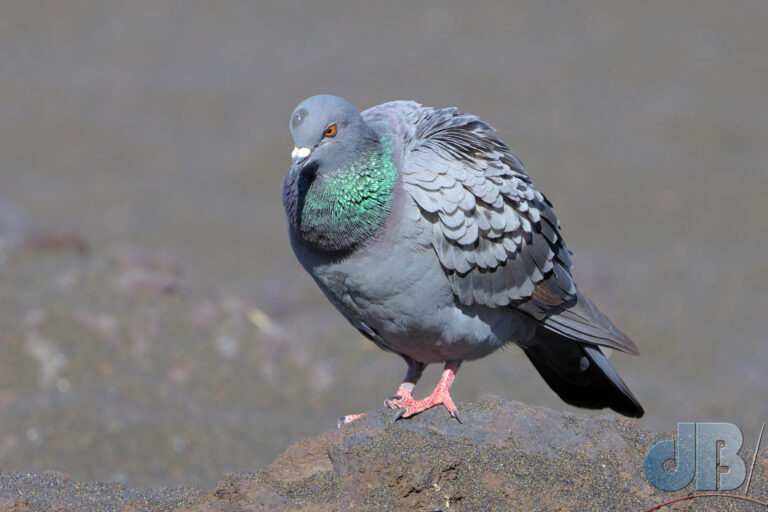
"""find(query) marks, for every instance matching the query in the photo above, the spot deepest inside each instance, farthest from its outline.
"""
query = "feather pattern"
(496, 236)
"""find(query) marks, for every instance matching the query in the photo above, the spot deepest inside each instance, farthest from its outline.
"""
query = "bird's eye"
(331, 130)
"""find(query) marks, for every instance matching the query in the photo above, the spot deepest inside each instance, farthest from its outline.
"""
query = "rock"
(506, 456)
(54, 491)
(14, 505)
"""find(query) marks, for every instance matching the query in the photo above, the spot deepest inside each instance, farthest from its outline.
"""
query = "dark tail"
(581, 374)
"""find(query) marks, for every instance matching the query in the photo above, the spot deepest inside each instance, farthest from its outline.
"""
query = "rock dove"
(425, 231)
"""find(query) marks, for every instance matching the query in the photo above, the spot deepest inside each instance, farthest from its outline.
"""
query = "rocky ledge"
(506, 456)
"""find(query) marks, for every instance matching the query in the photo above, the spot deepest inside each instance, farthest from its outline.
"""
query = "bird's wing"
(495, 235)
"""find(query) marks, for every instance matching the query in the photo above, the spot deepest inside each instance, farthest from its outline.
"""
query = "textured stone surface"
(54, 491)
(506, 456)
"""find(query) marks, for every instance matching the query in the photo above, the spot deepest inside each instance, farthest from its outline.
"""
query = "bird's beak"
(299, 157)
(299, 154)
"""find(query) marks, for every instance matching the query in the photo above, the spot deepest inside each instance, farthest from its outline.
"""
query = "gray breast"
(397, 293)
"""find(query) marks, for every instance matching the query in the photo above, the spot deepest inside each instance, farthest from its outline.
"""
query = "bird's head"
(327, 133)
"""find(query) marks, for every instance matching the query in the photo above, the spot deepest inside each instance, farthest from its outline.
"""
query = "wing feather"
(495, 235)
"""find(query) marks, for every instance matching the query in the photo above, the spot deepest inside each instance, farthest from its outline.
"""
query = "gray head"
(328, 131)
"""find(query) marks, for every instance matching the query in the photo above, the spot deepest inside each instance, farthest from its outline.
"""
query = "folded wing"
(495, 235)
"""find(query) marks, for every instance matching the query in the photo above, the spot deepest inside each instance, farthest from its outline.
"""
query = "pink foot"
(349, 418)
(402, 398)
(441, 395)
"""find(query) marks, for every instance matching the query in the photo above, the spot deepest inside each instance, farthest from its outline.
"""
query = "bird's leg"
(404, 395)
(441, 395)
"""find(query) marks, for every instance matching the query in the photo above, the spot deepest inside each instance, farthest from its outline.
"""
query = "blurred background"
(155, 327)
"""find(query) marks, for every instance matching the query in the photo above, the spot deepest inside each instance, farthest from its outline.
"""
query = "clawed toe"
(404, 401)
(349, 418)
(399, 401)
(415, 407)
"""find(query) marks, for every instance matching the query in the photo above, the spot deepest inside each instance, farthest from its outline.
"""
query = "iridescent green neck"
(340, 209)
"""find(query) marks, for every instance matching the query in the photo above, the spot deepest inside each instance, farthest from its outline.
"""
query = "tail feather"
(581, 374)
(582, 321)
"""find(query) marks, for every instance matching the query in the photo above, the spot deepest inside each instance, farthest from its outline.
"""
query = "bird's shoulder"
(495, 234)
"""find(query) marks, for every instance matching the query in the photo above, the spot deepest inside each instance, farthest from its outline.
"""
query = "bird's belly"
(409, 308)
(451, 333)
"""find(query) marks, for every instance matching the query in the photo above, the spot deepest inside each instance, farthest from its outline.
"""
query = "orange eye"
(331, 130)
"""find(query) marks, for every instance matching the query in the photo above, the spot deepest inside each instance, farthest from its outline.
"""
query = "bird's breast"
(341, 209)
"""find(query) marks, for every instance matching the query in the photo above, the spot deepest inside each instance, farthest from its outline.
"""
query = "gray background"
(164, 125)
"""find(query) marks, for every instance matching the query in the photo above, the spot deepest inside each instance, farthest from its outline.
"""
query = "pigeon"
(425, 231)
